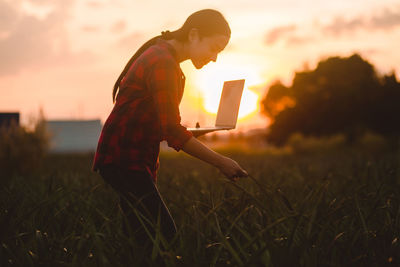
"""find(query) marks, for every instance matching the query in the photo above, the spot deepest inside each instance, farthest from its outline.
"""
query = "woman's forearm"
(227, 166)
(197, 149)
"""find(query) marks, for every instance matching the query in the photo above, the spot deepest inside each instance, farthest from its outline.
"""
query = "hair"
(208, 22)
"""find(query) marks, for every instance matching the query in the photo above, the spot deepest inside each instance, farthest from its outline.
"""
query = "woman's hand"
(231, 169)
(227, 166)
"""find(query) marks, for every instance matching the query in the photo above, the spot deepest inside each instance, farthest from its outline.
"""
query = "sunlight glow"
(37, 10)
(211, 79)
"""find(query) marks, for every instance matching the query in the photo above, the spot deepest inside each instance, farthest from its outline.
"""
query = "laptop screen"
(229, 103)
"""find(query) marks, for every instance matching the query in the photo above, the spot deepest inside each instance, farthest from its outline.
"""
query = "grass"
(336, 207)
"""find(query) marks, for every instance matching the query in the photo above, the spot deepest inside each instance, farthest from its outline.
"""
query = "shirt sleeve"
(164, 82)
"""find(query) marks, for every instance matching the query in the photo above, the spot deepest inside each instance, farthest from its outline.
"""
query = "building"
(73, 135)
(9, 118)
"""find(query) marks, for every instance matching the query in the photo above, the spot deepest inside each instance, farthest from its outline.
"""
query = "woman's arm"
(227, 166)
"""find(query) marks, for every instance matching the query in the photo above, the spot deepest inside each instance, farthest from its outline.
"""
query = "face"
(205, 49)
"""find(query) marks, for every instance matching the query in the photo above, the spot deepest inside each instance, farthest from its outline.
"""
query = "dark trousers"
(141, 203)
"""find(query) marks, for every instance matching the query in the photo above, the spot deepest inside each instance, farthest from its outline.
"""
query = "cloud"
(340, 25)
(388, 19)
(131, 41)
(94, 4)
(278, 33)
(8, 16)
(118, 26)
(295, 40)
(37, 42)
(287, 34)
(89, 28)
(292, 35)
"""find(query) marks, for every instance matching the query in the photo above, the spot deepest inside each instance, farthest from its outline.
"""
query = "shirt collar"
(171, 49)
(168, 46)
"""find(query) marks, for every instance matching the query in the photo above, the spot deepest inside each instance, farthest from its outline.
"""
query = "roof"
(7, 118)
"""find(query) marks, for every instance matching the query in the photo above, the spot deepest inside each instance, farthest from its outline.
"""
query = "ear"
(193, 35)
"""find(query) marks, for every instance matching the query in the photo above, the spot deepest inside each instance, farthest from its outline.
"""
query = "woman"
(146, 111)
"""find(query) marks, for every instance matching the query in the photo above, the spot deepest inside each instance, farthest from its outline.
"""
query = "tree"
(279, 97)
(342, 95)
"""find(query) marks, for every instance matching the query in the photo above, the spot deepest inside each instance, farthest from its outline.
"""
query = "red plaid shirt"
(146, 112)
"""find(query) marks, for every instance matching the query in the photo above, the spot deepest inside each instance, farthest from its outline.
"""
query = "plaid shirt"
(146, 112)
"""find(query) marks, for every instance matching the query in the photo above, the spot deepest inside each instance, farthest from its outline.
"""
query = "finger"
(234, 178)
(242, 173)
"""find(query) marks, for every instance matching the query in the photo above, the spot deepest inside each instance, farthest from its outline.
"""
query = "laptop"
(228, 108)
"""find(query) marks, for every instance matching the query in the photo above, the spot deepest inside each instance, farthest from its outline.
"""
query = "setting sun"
(211, 80)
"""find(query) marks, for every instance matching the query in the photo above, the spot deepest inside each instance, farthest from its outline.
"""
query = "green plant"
(21, 150)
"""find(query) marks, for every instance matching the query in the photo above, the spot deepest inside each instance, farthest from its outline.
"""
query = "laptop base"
(205, 130)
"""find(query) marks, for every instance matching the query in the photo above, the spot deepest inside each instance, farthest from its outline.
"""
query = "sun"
(248, 103)
(211, 79)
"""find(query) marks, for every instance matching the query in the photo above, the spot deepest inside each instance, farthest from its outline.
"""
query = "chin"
(197, 65)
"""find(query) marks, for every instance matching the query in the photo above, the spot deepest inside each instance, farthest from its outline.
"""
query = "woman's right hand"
(231, 169)
(227, 166)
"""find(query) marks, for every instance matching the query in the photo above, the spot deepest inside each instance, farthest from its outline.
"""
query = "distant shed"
(73, 135)
(9, 118)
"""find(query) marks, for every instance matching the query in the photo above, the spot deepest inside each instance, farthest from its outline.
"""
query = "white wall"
(74, 135)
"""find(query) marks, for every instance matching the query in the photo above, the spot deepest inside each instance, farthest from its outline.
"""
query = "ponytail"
(207, 21)
(166, 35)
(128, 65)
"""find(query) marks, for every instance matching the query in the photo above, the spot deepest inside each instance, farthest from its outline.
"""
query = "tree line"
(341, 95)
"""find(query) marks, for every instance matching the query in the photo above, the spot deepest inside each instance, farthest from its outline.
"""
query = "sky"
(63, 56)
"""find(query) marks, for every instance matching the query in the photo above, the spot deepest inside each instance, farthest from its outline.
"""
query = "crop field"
(328, 207)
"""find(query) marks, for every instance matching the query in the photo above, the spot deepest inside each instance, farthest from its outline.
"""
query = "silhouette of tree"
(278, 98)
(342, 95)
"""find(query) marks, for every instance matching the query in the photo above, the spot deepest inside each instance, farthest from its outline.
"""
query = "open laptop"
(228, 108)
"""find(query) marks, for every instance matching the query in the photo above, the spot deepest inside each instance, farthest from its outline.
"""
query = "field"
(326, 207)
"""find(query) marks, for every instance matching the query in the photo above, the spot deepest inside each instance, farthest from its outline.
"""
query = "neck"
(180, 48)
